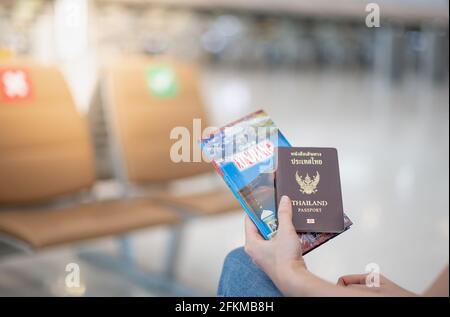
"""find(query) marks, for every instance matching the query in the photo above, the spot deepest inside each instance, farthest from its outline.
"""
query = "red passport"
(310, 177)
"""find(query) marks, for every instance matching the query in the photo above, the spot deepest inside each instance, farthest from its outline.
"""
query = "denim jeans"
(242, 278)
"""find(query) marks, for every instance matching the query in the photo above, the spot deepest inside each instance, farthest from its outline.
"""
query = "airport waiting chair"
(144, 98)
(46, 157)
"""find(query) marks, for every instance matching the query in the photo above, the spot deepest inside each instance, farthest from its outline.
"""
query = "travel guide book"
(243, 153)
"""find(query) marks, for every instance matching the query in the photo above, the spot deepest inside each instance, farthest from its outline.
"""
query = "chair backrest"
(146, 98)
(45, 149)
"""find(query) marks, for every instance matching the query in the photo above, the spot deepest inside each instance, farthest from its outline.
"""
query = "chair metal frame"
(12, 244)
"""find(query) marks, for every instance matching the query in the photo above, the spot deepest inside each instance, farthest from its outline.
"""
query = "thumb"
(285, 224)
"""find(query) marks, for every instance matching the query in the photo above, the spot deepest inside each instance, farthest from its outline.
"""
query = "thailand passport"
(310, 178)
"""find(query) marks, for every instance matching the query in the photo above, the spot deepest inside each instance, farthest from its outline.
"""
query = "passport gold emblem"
(308, 185)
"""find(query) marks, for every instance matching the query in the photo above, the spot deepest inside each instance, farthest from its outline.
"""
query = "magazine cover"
(243, 154)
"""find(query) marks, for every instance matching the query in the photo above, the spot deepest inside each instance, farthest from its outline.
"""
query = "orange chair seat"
(205, 203)
(42, 228)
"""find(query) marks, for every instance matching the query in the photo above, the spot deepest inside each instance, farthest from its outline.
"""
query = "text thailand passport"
(310, 177)
(243, 153)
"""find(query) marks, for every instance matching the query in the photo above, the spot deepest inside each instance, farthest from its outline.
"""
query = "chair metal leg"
(10, 245)
(126, 251)
(173, 251)
(163, 283)
(148, 280)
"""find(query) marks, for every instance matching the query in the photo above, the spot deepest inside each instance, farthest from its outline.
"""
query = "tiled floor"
(394, 157)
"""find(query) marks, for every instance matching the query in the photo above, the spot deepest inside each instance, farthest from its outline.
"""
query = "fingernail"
(285, 201)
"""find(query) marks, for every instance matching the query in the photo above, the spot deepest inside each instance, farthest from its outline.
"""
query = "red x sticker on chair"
(15, 85)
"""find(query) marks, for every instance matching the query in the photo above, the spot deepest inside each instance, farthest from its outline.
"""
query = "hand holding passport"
(245, 153)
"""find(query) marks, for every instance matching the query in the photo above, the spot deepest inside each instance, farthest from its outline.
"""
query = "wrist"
(292, 278)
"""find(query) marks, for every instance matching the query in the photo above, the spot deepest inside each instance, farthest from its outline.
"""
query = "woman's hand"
(281, 259)
(281, 256)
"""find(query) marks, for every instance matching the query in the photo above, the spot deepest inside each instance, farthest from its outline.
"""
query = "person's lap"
(241, 277)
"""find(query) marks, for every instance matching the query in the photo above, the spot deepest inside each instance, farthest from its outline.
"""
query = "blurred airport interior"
(86, 178)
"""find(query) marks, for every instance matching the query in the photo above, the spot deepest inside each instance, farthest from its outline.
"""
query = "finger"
(251, 231)
(340, 282)
(352, 279)
(285, 216)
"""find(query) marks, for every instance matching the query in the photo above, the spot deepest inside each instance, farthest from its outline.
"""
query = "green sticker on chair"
(162, 81)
